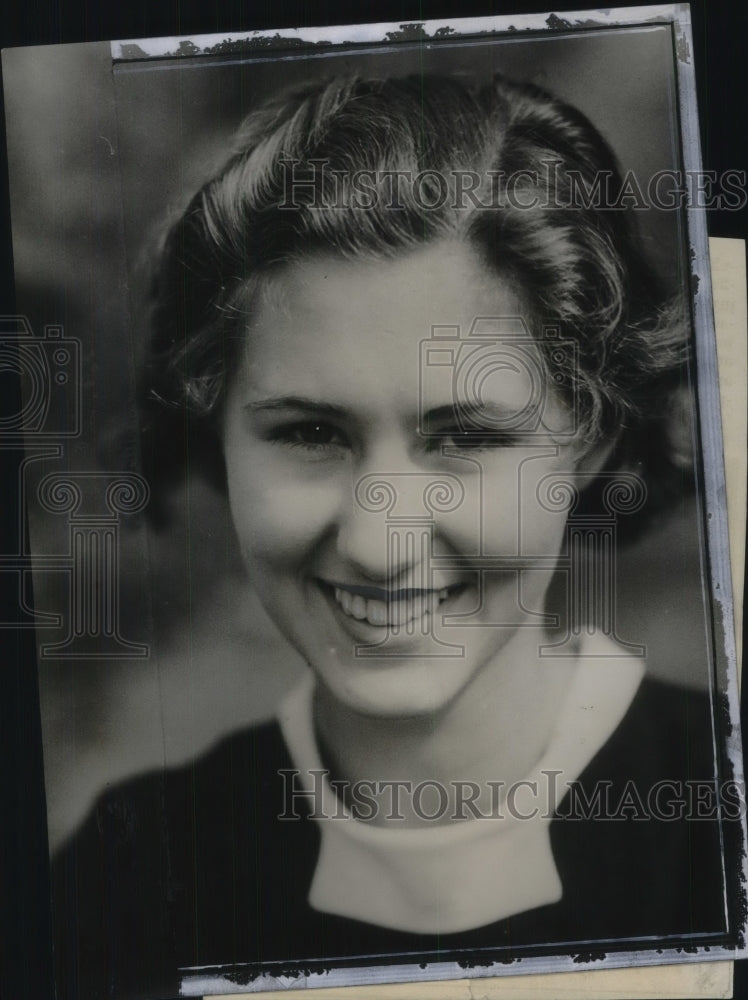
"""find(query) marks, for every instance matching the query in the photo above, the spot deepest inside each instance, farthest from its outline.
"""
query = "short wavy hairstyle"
(312, 171)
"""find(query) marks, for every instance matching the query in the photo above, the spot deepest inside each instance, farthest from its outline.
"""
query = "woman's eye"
(312, 435)
(456, 437)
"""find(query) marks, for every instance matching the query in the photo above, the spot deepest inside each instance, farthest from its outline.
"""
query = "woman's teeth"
(394, 612)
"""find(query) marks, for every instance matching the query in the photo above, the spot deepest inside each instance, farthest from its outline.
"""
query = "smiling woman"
(347, 336)
(426, 405)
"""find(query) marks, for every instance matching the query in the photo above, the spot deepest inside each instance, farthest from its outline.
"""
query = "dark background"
(720, 29)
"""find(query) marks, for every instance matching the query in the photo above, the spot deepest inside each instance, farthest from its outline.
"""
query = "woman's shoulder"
(645, 813)
(657, 760)
(667, 733)
(154, 868)
(245, 758)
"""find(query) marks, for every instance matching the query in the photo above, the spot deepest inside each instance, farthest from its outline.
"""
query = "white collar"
(457, 876)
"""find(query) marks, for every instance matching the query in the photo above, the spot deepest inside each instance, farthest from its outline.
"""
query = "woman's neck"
(494, 731)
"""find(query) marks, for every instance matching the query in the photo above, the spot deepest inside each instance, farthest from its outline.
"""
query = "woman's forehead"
(441, 283)
(398, 334)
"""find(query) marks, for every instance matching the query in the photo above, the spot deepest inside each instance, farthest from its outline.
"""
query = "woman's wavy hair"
(293, 185)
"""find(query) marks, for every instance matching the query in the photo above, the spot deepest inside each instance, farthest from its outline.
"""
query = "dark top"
(191, 867)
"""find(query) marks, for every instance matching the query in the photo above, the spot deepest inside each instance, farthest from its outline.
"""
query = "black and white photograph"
(374, 553)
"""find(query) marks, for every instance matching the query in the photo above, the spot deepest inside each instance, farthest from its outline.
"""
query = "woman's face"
(366, 373)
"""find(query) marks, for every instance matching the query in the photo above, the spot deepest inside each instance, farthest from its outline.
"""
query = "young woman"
(412, 333)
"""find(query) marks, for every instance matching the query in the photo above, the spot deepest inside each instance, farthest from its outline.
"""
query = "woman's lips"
(388, 609)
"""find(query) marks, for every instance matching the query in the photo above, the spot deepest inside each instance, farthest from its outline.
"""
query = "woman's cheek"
(282, 523)
(488, 520)
(514, 521)
(545, 501)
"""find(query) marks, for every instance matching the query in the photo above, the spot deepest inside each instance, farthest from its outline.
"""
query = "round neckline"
(455, 876)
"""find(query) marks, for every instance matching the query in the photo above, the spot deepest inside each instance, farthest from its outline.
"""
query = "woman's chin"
(417, 667)
(394, 687)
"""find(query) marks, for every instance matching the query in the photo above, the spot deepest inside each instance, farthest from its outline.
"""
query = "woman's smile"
(390, 609)
(350, 468)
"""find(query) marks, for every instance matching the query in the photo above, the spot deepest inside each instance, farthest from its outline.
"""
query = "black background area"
(720, 29)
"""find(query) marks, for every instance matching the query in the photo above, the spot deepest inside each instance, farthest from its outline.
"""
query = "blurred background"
(99, 156)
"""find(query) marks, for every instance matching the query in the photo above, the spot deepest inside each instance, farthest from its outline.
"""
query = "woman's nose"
(386, 530)
(369, 542)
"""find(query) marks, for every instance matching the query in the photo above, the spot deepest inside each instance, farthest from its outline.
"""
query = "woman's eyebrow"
(297, 403)
(489, 411)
